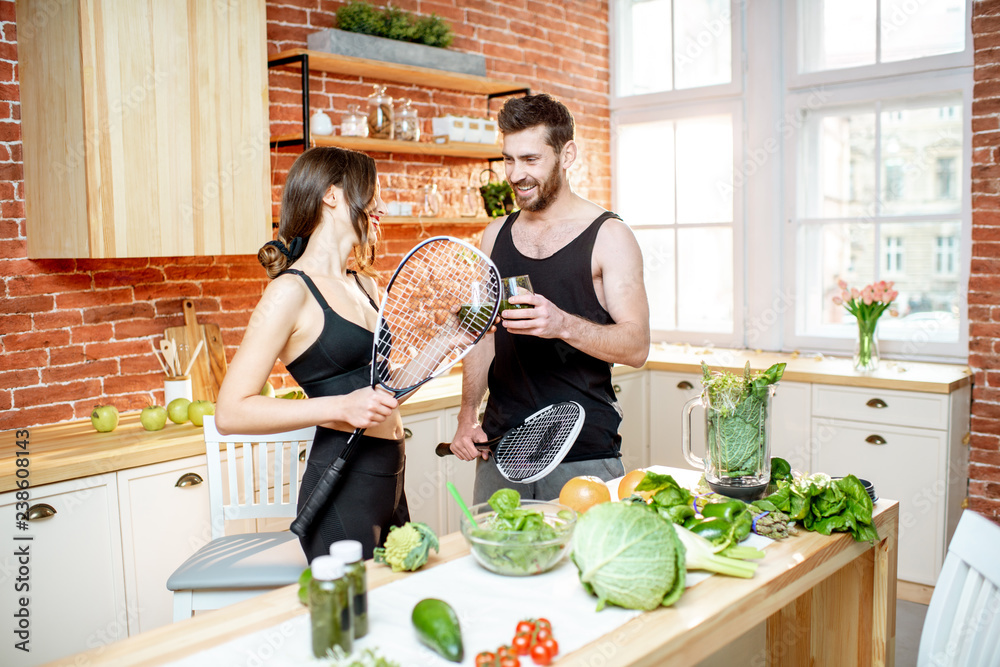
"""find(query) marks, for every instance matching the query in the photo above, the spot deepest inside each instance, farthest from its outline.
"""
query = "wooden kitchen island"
(827, 600)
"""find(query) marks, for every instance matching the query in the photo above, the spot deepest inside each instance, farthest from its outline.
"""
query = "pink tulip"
(878, 294)
(889, 284)
(855, 293)
(882, 285)
(842, 284)
(868, 299)
(892, 295)
(837, 300)
(845, 295)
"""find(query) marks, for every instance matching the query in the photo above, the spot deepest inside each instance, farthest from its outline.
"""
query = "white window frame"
(618, 35)
(683, 112)
(915, 86)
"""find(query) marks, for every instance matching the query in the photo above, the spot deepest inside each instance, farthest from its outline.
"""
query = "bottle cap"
(348, 551)
(327, 568)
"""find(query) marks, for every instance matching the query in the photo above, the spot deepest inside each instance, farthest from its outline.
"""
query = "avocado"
(437, 628)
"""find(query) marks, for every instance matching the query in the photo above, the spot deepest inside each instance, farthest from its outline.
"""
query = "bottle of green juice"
(329, 606)
(349, 551)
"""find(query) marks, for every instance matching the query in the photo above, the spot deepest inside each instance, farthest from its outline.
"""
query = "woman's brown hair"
(310, 177)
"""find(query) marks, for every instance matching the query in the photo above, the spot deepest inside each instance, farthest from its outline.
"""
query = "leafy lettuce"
(828, 505)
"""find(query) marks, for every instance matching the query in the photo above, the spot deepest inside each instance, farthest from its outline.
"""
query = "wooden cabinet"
(910, 446)
(631, 391)
(165, 519)
(72, 570)
(145, 127)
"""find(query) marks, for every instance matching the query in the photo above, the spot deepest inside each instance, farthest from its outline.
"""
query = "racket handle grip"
(444, 449)
(317, 499)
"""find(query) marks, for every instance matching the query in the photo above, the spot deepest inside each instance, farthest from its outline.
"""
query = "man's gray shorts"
(489, 479)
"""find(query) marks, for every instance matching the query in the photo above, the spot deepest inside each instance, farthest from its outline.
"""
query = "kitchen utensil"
(194, 355)
(159, 360)
(418, 335)
(210, 367)
(461, 503)
(169, 350)
(745, 446)
(519, 552)
(529, 452)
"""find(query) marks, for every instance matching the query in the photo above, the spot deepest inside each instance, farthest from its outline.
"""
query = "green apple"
(267, 390)
(104, 418)
(153, 417)
(198, 410)
(177, 410)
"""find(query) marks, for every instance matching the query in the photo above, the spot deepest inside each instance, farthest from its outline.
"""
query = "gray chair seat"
(255, 560)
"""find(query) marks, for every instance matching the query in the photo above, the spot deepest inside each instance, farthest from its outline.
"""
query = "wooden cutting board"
(210, 366)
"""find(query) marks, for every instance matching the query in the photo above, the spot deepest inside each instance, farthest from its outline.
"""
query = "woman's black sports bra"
(339, 360)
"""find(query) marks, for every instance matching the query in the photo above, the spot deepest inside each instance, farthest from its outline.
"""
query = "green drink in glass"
(515, 286)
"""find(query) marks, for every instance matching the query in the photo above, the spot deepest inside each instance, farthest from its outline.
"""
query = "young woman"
(317, 317)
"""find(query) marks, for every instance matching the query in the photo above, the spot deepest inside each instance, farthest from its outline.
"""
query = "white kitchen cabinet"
(790, 429)
(165, 519)
(668, 392)
(425, 476)
(909, 445)
(460, 473)
(632, 399)
(76, 594)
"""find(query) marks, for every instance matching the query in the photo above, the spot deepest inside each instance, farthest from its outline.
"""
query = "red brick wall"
(984, 281)
(75, 333)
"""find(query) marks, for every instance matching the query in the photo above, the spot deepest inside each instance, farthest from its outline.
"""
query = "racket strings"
(530, 448)
(419, 330)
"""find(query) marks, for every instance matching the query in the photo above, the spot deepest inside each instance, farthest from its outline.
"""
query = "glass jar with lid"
(354, 123)
(407, 122)
(380, 114)
(432, 201)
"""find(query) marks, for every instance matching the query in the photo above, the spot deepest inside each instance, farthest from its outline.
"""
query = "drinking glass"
(515, 286)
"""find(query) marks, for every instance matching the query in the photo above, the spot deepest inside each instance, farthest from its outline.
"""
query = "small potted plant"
(498, 197)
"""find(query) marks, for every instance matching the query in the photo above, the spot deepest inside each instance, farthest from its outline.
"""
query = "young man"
(588, 311)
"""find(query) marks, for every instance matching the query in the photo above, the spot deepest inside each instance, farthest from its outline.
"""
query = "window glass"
(913, 29)
(836, 33)
(840, 148)
(645, 173)
(705, 279)
(673, 44)
(704, 184)
(659, 271)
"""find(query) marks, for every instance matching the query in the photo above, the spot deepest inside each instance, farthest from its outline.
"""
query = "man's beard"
(544, 194)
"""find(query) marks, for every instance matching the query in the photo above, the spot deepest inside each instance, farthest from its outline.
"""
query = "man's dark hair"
(523, 113)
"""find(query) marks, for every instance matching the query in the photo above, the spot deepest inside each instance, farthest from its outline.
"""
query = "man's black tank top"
(529, 373)
(339, 360)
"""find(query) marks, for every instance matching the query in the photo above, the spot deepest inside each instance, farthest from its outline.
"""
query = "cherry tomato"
(540, 655)
(543, 623)
(505, 652)
(542, 635)
(552, 645)
(485, 659)
(510, 661)
(521, 644)
(524, 626)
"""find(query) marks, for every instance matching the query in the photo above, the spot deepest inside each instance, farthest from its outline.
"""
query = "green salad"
(519, 541)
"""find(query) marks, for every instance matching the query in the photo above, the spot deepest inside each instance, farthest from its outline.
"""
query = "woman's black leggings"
(368, 499)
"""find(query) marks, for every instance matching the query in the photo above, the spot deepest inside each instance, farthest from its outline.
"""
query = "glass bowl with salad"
(518, 538)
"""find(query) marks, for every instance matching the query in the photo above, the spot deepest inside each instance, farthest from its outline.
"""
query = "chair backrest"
(962, 626)
(260, 469)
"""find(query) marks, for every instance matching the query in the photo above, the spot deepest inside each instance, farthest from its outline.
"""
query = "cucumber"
(437, 628)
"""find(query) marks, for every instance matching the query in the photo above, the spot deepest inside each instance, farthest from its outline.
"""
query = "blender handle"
(689, 455)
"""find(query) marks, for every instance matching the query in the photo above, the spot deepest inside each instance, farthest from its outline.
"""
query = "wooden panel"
(383, 71)
(51, 79)
(163, 107)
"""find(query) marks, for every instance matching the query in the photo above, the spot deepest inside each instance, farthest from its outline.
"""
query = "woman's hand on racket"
(367, 407)
(543, 319)
(463, 447)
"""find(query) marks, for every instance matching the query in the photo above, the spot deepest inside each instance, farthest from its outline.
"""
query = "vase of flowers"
(867, 305)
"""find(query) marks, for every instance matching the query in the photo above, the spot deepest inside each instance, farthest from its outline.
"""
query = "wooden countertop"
(852, 586)
(70, 450)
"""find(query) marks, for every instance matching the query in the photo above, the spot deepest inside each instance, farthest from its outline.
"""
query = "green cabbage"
(627, 555)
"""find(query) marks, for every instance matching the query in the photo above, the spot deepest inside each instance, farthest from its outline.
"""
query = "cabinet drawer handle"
(684, 384)
(302, 455)
(876, 403)
(407, 433)
(189, 479)
(40, 511)
(875, 440)
(617, 388)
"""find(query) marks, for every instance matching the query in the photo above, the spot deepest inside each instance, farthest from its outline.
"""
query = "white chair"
(962, 626)
(235, 567)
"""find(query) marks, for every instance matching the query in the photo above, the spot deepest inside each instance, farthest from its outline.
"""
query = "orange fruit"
(626, 487)
(582, 493)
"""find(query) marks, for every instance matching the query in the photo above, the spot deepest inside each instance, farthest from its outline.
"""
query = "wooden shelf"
(383, 71)
(474, 221)
(450, 149)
